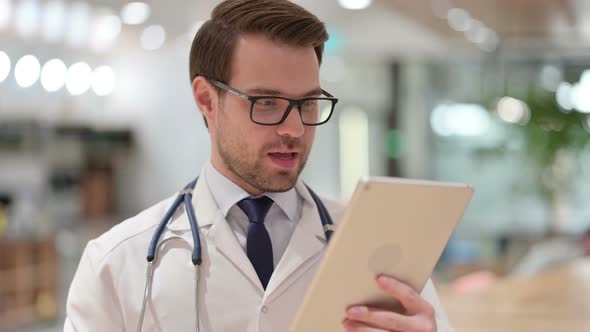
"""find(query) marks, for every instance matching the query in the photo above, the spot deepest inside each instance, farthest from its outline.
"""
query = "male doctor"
(260, 229)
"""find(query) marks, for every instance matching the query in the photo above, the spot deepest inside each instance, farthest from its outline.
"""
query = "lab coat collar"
(204, 206)
(206, 209)
(307, 241)
(227, 194)
(213, 227)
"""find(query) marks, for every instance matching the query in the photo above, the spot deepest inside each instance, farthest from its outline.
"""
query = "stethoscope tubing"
(186, 196)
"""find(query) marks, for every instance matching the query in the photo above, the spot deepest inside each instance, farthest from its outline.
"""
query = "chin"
(277, 181)
(281, 183)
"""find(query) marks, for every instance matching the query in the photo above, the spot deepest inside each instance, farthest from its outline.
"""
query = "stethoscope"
(186, 195)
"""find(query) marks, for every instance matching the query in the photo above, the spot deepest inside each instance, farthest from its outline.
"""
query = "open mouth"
(284, 160)
(284, 156)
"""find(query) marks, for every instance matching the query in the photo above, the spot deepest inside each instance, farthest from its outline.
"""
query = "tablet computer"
(392, 226)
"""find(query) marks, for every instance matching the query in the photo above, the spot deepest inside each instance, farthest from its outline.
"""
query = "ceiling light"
(355, 4)
(581, 98)
(135, 13)
(491, 41)
(153, 37)
(103, 81)
(78, 78)
(26, 71)
(580, 93)
(476, 32)
(53, 75)
(512, 110)
(105, 30)
(459, 19)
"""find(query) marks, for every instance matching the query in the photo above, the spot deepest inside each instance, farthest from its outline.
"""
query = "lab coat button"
(264, 309)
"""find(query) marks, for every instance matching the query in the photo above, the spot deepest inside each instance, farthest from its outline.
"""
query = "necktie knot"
(256, 208)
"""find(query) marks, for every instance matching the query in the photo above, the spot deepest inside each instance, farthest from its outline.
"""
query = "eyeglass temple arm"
(229, 89)
(327, 94)
(240, 94)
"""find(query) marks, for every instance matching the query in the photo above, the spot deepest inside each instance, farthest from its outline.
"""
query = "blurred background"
(95, 99)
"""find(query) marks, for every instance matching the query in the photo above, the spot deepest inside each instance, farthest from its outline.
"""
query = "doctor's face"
(265, 158)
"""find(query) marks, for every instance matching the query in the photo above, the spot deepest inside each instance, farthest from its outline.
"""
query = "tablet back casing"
(392, 226)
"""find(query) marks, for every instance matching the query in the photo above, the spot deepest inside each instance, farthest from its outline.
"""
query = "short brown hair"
(281, 20)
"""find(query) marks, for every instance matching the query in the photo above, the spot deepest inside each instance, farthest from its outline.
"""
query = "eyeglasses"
(272, 110)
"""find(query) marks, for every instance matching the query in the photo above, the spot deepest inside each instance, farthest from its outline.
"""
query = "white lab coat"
(107, 291)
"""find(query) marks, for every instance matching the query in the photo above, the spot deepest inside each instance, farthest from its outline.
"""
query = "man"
(254, 69)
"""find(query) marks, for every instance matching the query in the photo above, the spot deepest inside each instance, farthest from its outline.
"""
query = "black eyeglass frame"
(292, 102)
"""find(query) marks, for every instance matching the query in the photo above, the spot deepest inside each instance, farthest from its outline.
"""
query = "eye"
(266, 102)
(309, 105)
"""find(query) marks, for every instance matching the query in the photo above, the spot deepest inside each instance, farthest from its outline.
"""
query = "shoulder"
(134, 229)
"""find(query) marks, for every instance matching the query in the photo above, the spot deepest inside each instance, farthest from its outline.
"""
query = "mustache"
(286, 142)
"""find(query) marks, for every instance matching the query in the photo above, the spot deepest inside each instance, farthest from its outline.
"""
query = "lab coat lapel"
(226, 243)
(205, 211)
(307, 241)
(214, 229)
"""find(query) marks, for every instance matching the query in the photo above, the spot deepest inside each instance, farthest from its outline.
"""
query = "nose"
(293, 125)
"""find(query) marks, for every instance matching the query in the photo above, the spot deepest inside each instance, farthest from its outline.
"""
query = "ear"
(206, 97)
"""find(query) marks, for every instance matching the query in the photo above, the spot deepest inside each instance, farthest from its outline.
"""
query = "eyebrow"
(272, 92)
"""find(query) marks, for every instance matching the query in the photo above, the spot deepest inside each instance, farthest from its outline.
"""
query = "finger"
(408, 297)
(355, 326)
(388, 320)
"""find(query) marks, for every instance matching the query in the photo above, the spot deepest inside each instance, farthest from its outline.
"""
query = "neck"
(220, 166)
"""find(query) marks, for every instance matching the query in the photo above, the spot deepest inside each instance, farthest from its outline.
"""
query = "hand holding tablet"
(393, 227)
